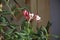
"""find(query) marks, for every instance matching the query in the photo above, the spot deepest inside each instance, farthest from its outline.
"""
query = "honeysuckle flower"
(37, 17)
(31, 15)
(26, 14)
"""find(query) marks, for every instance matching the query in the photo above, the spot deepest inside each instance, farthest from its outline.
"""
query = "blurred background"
(49, 10)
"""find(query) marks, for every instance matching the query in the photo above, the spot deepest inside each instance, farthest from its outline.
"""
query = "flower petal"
(31, 15)
(26, 14)
(38, 17)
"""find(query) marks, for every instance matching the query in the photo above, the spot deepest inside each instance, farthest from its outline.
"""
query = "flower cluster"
(29, 16)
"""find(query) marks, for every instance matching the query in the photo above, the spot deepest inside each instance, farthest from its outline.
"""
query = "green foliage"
(10, 31)
(26, 33)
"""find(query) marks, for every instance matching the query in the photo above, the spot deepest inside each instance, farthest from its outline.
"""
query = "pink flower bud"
(26, 14)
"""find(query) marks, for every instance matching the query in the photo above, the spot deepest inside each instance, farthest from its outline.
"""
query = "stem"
(28, 28)
(46, 32)
(10, 9)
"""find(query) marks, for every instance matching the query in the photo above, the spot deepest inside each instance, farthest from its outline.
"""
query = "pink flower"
(29, 16)
(37, 17)
(26, 14)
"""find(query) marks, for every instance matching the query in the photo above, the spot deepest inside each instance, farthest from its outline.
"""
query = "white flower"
(31, 15)
(38, 17)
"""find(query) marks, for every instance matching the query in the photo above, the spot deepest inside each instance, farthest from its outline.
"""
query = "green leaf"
(6, 12)
(48, 26)
(10, 31)
(3, 19)
(13, 8)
